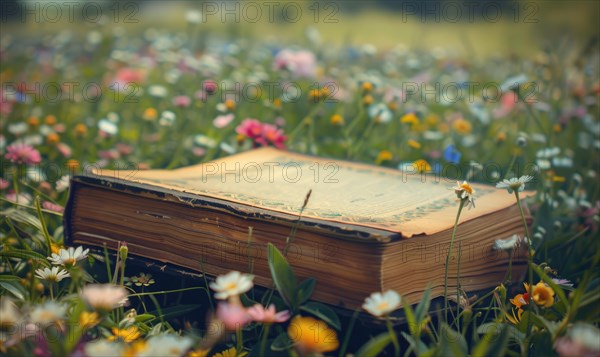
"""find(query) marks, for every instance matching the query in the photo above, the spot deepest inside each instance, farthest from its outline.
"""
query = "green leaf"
(14, 288)
(282, 343)
(498, 335)
(305, 290)
(374, 347)
(144, 317)
(283, 276)
(414, 344)
(411, 320)
(423, 306)
(452, 343)
(175, 311)
(4, 277)
(323, 312)
(25, 255)
(21, 216)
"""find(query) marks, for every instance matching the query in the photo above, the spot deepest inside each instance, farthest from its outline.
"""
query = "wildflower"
(222, 121)
(421, 166)
(414, 144)
(47, 313)
(4, 184)
(182, 101)
(108, 127)
(258, 313)
(9, 314)
(33, 122)
(299, 63)
(17, 128)
(465, 192)
(273, 135)
(367, 100)
(193, 17)
(157, 91)
(80, 129)
(63, 183)
(167, 345)
(543, 295)
(311, 335)
(451, 154)
(380, 113)
(384, 155)
(367, 87)
(88, 319)
(337, 119)
(22, 154)
(103, 348)
(229, 104)
(22, 198)
(50, 120)
(69, 256)
(167, 118)
(581, 340)
(128, 334)
(501, 137)
(514, 184)
(231, 284)
(233, 316)
(507, 244)
(231, 352)
(522, 140)
(52, 139)
(150, 114)
(379, 304)
(64, 149)
(409, 118)
(53, 275)
(104, 297)
(462, 126)
(72, 164)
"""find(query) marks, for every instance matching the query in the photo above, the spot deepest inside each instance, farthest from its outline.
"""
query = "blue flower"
(451, 154)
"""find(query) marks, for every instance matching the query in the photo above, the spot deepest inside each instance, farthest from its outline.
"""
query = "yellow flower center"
(467, 187)
(382, 305)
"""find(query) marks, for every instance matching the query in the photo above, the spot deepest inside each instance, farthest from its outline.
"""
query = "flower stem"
(263, 340)
(388, 323)
(460, 207)
(239, 341)
(529, 258)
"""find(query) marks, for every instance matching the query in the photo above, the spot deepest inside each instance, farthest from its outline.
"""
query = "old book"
(364, 228)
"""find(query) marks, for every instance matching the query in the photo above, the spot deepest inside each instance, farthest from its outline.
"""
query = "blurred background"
(471, 28)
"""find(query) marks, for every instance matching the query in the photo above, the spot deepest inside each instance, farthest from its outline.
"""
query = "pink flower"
(209, 86)
(299, 63)
(64, 149)
(508, 101)
(223, 120)
(262, 134)
(182, 101)
(109, 154)
(233, 316)
(269, 315)
(250, 128)
(4, 184)
(52, 207)
(23, 154)
(128, 76)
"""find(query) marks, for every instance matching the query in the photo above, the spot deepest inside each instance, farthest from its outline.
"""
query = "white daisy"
(53, 275)
(63, 183)
(233, 283)
(103, 348)
(166, 345)
(104, 296)
(69, 256)
(514, 184)
(379, 304)
(466, 192)
(47, 313)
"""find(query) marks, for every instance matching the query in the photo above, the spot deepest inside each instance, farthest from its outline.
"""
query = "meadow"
(511, 104)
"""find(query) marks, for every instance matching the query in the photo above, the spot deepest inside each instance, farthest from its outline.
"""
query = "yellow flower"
(501, 137)
(367, 87)
(72, 164)
(392, 106)
(337, 119)
(384, 155)
(88, 319)
(198, 353)
(229, 104)
(312, 335)
(515, 319)
(519, 300)
(557, 128)
(410, 118)
(432, 119)
(314, 95)
(33, 121)
(543, 295)
(422, 166)
(50, 119)
(80, 129)
(129, 334)
(462, 126)
(367, 100)
(55, 248)
(414, 144)
(277, 103)
(230, 353)
(134, 349)
(52, 139)
(150, 114)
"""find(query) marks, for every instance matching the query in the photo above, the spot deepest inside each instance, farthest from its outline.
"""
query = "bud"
(123, 251)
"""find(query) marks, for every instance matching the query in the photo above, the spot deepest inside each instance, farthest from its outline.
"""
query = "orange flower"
(462, 126)
(422, 166)
(80, 129)
(53, 139)
(337, 119)
(312, 335)
(230, 104)
(367, 87)
(543, 295)
(50, 119)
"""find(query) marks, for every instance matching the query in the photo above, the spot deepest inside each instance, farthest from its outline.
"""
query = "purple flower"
(452, 155)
